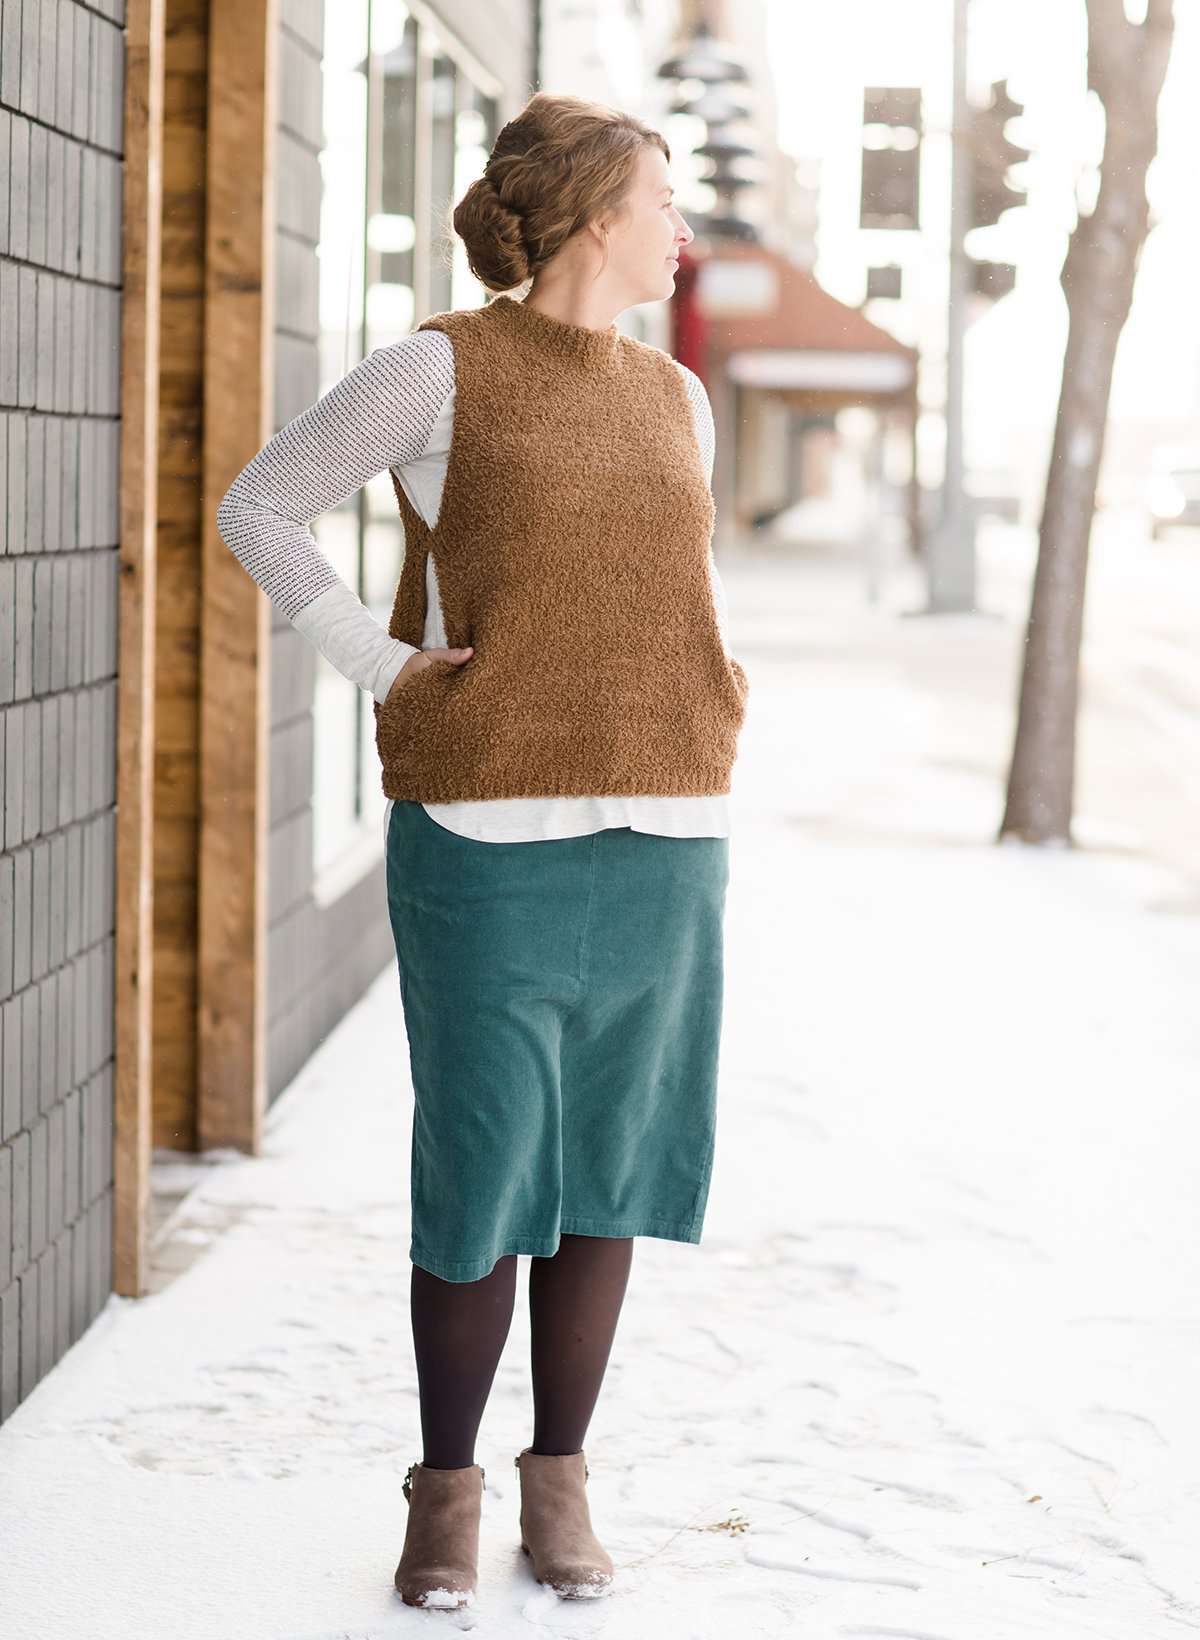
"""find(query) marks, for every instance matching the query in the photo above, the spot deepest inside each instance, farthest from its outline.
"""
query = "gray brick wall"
(61, 112)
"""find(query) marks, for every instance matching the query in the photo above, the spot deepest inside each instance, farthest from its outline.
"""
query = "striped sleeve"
(378, 416)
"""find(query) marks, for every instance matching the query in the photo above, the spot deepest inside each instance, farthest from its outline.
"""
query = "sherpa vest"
(571, 550)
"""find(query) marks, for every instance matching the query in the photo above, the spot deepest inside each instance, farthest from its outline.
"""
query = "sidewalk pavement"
(930, 1372)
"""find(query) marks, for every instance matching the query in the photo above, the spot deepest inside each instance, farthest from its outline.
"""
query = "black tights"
(460, 1327)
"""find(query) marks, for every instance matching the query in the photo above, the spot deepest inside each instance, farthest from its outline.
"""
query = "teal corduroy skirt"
(562, 1002)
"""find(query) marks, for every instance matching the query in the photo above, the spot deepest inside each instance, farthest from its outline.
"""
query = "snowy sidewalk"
(930, 1373)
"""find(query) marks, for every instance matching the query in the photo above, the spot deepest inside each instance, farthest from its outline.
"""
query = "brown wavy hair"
(555, 166)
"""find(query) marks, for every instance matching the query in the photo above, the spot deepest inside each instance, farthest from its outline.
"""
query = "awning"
(837, 372)
(768, 324)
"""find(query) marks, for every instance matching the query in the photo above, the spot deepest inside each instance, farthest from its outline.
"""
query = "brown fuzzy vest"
(571, 551)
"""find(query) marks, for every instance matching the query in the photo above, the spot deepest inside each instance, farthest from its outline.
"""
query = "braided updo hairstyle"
(554, 167)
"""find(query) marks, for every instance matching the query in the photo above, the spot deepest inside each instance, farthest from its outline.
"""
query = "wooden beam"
(180, 527)
(235, 615)
(141, 262)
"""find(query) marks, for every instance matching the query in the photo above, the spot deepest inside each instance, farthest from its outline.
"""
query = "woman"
(557, 715)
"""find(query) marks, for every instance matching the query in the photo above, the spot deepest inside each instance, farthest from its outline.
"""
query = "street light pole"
(951, 549)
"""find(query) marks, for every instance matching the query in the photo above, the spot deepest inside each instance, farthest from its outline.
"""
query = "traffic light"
(992, 152)
(890, 196)
(890, 188)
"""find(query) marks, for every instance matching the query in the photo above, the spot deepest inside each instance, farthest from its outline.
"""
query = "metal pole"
(951, 555)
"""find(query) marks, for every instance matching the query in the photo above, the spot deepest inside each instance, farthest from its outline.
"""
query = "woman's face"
(645, 238)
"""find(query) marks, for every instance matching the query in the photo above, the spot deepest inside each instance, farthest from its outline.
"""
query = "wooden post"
(235, 616)
(141, 258)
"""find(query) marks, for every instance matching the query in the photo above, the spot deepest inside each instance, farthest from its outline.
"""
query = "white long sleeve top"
(395, 410)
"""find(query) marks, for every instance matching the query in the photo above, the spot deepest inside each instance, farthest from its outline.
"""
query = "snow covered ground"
(929, 1375)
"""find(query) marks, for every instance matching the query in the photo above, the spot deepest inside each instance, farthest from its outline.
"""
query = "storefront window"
(443, 86)
(407, 127)
(475, 125)
(340, 274)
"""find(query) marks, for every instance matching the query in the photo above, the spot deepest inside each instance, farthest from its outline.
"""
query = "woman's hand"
(418, 662)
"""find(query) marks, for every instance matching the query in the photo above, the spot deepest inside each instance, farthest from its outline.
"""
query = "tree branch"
(1127, 61)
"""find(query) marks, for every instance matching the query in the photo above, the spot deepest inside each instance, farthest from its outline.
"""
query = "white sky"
(824, 57)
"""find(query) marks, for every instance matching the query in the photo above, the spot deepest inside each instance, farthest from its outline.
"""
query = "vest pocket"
(405, 704)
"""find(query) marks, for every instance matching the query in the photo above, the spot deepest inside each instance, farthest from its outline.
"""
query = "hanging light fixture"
(704, 70)
(712, 105)
(703, 57)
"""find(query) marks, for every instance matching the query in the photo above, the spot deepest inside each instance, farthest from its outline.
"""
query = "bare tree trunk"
(1127, 63)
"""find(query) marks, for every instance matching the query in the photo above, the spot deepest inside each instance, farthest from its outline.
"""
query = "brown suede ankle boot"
(439, 1563)
(556, 1525)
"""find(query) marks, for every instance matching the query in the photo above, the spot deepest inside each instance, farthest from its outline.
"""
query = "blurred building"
(783, 205)
(212, 211)
(781, 356)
